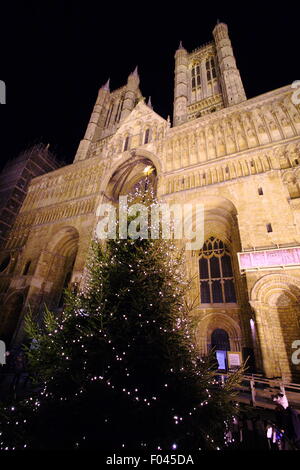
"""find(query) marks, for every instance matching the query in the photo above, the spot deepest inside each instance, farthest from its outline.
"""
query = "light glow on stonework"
(148, 170)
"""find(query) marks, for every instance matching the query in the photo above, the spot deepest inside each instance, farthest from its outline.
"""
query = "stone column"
(232, 86)
(181, 86)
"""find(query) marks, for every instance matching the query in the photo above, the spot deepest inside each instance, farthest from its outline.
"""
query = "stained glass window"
(216, 275)
(196, 77)
(210, 69)
(147, 136)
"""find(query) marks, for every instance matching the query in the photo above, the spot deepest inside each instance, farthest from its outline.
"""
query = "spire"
(180, 45)
(220, 22)
(106, 86)
(149, 103)
(135, 72)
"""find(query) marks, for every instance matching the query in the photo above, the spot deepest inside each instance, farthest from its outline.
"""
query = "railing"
(258, 390)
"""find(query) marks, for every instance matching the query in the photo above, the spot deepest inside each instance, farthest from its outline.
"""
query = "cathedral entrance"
(220, 344)
(220, 340)
(55, 266)
(10, 317)
(276, 303)
(138, 173)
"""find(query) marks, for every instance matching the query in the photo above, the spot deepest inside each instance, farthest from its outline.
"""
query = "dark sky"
(55, 55)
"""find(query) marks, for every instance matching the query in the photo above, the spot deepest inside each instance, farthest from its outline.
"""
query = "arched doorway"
(10, 317)
(138, 172)
(210, 330)
(275, 299)
(56, 266)
(220, 344)
(220, 340)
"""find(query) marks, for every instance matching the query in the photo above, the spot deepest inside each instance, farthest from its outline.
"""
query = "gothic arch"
(11, 315)
(63, 240)
(213, 321)
(266, 284)
(128, 171)
(220, 217)
(56, 263)
(220, 221)
(275, 299)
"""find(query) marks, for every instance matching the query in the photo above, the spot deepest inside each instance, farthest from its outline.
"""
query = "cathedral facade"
(238, 157)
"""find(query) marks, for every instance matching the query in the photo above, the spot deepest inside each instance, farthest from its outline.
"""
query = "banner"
(269, 258)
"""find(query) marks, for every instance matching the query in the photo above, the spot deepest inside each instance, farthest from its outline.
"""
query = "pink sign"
(269, 258)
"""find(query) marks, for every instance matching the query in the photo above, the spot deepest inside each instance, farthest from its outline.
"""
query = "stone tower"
(110, 110)
(181, 89)
(206, 79)
(231, 83)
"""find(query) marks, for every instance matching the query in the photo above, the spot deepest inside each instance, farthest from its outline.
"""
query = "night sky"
(56, 55)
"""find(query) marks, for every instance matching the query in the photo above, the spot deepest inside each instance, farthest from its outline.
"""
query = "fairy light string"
(129, 316)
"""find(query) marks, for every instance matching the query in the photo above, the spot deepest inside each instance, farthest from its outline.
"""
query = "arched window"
(126, 144)
(109, 113)
(196, 77)
(26, 268)
(119, 110)
(210, 69)
(146, 139)
(4, 263)
(220, 340)
(216, 275)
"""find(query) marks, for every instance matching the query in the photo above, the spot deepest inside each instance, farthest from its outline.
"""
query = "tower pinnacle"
(106, 86)
(135, 72)
(231, 83)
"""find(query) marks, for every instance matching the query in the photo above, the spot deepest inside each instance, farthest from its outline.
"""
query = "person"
(260, 435)
(272, 435)
(288, 422)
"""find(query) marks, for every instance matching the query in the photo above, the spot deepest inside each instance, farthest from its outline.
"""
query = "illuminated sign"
(269, 258)
(234, 359)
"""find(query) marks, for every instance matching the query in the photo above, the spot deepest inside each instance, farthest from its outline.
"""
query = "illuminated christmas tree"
(118, 369)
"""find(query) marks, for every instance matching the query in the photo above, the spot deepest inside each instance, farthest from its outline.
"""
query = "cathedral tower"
(232, 86)
(110, 110)
(102, 99)
(130, 94)
(206, 79)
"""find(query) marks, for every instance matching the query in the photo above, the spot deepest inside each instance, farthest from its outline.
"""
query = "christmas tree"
(118, 369)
